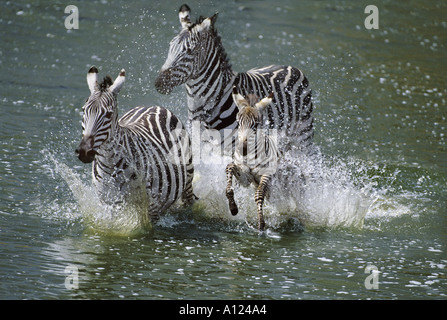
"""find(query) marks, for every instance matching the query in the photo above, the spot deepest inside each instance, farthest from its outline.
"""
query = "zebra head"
(100, 113)
(249, 116)
(187, 51)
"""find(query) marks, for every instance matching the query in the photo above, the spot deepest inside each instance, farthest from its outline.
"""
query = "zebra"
(256, 156)
(197, 59)
(148, 147)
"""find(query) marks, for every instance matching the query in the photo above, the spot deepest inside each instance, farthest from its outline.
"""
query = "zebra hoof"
(233, 208)
(261, 226)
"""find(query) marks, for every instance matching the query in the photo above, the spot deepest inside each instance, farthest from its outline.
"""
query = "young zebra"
(197, 59)
(147, 148)
(256, 155)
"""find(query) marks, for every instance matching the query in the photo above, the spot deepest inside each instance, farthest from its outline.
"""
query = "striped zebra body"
(197, 59)
(256, 156)
(146, 148)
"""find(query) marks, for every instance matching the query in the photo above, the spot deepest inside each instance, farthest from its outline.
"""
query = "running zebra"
(147, 148)
(256, 155)
(197, 58)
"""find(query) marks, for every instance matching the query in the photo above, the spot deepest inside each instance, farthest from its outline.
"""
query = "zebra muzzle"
(85, 151)
(162, 83)
(167, 80)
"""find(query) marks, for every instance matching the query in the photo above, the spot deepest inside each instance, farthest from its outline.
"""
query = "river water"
(369, 224)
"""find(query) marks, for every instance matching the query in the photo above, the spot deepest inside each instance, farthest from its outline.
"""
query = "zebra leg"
(153, 213)
(260, 194)
(188, 196)
(229, 190)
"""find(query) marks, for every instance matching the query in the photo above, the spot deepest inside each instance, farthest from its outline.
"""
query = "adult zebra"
(147, 148)
(197, 58)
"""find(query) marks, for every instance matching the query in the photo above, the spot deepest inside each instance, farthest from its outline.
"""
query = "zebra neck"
(209, 90)
(109, 149)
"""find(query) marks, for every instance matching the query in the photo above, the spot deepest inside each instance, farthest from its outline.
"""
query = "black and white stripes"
(256, 156)
(197, 59)
(147, 148)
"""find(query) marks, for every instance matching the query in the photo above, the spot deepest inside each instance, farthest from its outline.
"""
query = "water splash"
(330, 195)
(309, 191)
(126, 219)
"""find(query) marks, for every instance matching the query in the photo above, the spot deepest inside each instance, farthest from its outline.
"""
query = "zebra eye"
(109, 114)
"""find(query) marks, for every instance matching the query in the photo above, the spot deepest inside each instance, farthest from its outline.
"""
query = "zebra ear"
(238, 99)
(261, 105)
(208, 22)
(118, 83)
(184, 16)
(92, 77)
(213, 18)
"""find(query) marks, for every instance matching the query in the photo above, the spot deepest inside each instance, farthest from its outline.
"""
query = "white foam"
(125, 219)
(307, 191)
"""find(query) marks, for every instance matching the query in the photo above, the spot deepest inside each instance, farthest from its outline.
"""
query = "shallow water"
(374, 195)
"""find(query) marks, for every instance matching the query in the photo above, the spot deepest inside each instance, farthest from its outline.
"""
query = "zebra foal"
(197, 59)
(146, 148)
(256, 155)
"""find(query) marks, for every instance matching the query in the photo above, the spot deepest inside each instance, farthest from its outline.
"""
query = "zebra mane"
(223, 54)
(217, 41)
(106, 82)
